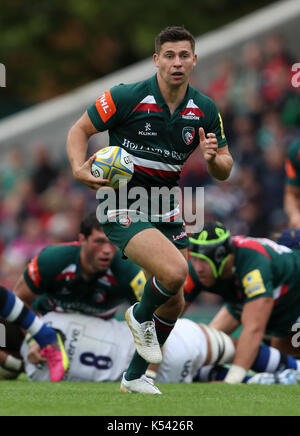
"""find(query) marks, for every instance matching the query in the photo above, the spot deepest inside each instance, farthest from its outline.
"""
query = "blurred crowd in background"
(40, 202)
(261, 114)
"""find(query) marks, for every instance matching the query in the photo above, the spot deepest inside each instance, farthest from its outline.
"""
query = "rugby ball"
(113, 164)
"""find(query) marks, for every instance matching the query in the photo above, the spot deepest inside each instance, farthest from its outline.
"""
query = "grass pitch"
(21, 398)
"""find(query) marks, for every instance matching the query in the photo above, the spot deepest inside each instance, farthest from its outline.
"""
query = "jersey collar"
(159, 98)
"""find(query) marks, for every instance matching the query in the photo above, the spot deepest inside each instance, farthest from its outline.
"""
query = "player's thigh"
(183, 251)
(159, 257)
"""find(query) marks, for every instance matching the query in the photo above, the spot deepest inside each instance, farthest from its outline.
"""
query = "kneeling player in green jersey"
(88, 276)
(292, 184)
(259, 281)
(160, 122)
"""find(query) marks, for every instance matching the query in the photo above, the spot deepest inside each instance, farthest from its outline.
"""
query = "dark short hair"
(89, 223)
(173, 34)
(290, 238)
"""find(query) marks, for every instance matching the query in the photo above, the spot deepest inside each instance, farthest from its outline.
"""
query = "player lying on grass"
(12, 309)
(88, 276)
(259, 281)
(100, 351)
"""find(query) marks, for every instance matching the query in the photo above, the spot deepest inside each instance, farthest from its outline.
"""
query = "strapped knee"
(222, 347)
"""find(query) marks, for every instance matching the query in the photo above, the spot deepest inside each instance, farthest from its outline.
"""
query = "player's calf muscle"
(173, 308)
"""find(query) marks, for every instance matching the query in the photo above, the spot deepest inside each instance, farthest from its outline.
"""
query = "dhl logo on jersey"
(253, 284)
(189, 285)
(289, 169)
(106, 106)
(33, 272)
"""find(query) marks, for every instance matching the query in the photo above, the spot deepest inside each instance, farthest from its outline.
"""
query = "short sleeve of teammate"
(255, 274)
(192, 286)
(41, 271)
(292, 164)
(111, 108)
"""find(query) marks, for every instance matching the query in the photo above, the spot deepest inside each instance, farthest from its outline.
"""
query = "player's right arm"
(39, 275)
(224, 321)
(77, 144)
(106, 114)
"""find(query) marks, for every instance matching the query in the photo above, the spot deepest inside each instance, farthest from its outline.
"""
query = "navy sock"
(271, 360)
(211, 373)
(163, 328)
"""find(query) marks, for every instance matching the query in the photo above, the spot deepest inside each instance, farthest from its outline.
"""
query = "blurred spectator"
(221, 85)
(276, 70)
(30, 241)
(273, 178)
(245, 92)
(262, 113)
(44, 172)
(13, 171)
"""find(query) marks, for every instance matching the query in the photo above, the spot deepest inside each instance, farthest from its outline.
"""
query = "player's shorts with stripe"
(121, 231)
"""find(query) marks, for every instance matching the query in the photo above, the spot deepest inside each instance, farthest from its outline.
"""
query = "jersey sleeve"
(39, 272)
(255, 275)
(131, 278)
(215, 124)
(110, 109)
(191, 291)
(292, 165)
(235, 310)
(192, 287)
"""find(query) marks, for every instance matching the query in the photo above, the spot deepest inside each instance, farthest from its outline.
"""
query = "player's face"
(175, 62)
(99, 251)
(204, 271)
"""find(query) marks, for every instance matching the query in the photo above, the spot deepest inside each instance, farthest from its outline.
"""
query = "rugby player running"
(180, 119)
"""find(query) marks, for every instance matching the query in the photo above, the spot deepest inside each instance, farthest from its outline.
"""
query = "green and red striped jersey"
(139, 120)
(262, 269)
(55, 276)
(292, 164)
